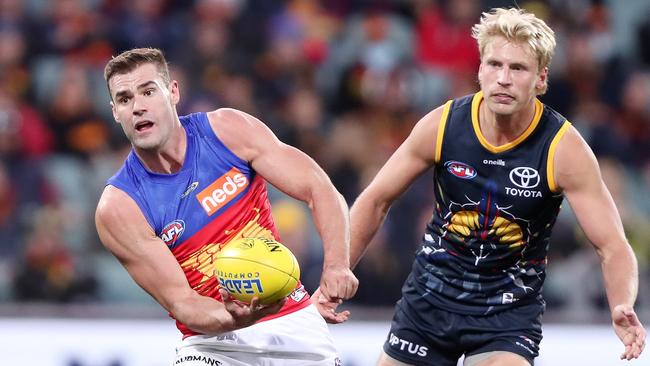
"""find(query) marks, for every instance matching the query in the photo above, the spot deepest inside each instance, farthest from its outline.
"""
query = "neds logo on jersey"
(461, 170)
(222, 191)
(172, 232)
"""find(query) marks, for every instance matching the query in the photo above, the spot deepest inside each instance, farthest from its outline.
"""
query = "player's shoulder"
(434, 117)
(424, 138)
(429, 125)
(115, 206)
(574, 160)
(241, 132)
(229, 116)
(570, 142)
(119, 221)
(234, 121)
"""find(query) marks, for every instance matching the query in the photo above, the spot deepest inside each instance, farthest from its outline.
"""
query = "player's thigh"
(496, 358)
(386, 360)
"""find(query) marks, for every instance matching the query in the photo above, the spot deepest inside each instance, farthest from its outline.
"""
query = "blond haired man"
(503, 163)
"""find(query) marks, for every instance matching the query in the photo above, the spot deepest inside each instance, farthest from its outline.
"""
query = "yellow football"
(261, 267)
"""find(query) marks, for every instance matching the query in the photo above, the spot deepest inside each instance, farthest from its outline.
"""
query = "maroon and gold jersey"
(214, 198)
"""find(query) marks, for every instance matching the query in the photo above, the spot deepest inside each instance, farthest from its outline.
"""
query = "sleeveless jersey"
(214, 198)
(485, 248)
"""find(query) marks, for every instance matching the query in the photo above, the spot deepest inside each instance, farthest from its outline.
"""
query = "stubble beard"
(148, 143)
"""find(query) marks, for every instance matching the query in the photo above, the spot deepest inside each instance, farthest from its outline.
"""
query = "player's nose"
(504, 77)
(138, 107)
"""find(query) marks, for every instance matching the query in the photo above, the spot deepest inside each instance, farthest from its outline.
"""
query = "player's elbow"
(200, 314)
(321, 189)
(183, 308)
(617, 252)
(371, 201)
(181, 311)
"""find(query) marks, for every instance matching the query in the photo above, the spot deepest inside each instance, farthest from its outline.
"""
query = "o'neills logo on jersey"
(461, 170)
(498, 162)
(222, 191)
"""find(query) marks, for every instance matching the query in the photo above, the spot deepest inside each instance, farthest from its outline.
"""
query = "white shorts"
(299, 338)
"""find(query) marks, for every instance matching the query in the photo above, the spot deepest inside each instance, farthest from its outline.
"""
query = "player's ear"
(542, 79)
(114, 112)
(175, 92)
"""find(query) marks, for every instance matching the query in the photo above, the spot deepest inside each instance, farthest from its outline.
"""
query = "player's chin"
(504, 108)
(145, 143)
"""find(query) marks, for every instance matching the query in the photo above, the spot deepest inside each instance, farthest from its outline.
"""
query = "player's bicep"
(579, 178)
(125, 232)
(290, 170)
(285, 167)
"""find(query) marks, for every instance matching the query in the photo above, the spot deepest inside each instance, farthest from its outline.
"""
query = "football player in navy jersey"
(192, 184)
(503, 162)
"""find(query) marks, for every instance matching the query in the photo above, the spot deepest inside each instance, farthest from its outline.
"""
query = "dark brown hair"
(128, 61)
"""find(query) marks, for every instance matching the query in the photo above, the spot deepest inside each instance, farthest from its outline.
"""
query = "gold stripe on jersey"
(441, 130)
(550, 164)
(476, 102)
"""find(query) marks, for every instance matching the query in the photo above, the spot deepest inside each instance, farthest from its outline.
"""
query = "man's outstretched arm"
(125, 232)
(577, 174)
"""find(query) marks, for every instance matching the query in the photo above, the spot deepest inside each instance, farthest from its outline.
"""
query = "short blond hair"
(519, 26)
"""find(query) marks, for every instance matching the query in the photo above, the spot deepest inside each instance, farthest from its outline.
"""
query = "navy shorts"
(439, 337)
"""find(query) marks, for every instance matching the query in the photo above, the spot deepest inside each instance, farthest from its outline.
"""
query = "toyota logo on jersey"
(524, 177)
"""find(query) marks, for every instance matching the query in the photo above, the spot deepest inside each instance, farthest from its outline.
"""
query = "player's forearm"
(621, 275)
(332, 221)
(366, 216)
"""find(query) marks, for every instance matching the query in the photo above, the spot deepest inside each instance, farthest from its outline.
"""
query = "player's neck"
(170, 157)
(500, 129)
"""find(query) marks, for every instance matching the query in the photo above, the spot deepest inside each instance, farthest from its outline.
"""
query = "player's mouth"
(502, 98)
(143, 126)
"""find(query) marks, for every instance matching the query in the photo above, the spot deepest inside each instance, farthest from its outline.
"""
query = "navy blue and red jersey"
(214, 198)
(485, 248)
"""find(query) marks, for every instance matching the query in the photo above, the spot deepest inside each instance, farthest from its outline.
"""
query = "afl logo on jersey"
(172, 232)
(524, 177)
(461, 170)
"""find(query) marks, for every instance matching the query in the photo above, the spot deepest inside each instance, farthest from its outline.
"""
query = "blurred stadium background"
(343, 80)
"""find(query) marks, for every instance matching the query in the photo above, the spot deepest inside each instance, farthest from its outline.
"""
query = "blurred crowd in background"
(343, 80)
